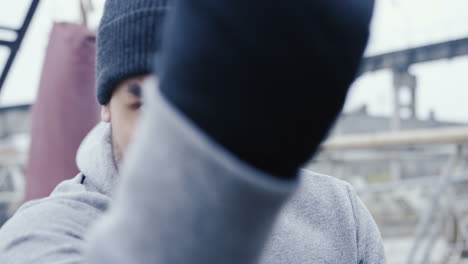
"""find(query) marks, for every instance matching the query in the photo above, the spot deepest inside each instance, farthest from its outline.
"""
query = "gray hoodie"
(202, 206)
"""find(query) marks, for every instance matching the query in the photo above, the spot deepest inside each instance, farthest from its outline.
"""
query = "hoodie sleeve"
(369, 241)
(184, 199)
(50, 230)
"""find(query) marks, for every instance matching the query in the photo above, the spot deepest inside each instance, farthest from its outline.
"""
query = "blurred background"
(401, 140)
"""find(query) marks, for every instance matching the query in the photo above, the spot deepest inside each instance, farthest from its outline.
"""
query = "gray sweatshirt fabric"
(184, 199)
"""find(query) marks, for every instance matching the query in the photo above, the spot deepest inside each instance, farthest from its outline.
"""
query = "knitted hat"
(128, 37)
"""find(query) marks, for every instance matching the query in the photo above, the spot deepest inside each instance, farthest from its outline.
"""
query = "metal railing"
(15, 45)
(442, 206)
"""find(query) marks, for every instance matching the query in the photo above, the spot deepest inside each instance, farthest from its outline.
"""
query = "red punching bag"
(65, 110)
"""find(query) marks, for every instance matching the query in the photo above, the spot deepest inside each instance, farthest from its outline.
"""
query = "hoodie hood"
(95, 159)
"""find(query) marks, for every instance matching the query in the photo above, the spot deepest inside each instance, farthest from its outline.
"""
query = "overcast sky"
(397, 24)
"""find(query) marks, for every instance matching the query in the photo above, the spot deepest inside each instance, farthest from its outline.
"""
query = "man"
(193, 191)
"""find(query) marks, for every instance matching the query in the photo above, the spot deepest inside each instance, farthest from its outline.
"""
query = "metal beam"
(8, 197)
(403, 58)
(416, 182)
(8, 28)
(9, 44)
(458, 135)
(14, 46)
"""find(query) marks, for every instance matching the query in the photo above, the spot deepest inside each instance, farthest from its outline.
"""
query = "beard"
(116, 151)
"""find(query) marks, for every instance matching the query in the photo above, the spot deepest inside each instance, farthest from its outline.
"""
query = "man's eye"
(136, 106)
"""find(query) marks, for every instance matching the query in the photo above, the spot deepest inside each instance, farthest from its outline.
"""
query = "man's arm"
(51, 230)
(249, 89)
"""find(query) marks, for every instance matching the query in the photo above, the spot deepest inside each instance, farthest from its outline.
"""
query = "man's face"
(123, 111)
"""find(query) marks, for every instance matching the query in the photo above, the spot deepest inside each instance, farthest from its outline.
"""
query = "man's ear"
(105, 113)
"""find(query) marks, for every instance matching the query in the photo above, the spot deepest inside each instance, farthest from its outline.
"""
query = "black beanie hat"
(128, 36)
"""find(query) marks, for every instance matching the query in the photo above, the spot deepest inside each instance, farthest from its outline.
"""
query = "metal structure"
(399, 63)
(15, 45)
(444, 207)
(404, 58)
(14, 141)
(458, 135)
